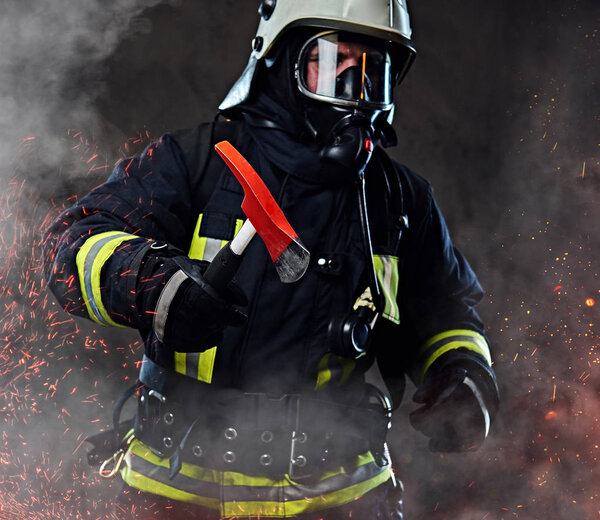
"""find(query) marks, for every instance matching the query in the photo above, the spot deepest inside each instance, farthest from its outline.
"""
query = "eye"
(342, 57)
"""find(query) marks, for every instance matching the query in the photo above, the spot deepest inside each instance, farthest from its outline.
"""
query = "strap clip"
(116, 459)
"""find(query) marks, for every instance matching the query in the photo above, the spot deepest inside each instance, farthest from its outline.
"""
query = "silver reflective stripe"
(213, 245)
(164, 302)
(486, 415)
(191, 364)
(87, 270)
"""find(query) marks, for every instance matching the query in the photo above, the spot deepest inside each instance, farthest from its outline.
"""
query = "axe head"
(288, 253)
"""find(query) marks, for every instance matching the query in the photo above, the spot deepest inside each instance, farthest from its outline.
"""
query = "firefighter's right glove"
(185, 312)
(459, 403)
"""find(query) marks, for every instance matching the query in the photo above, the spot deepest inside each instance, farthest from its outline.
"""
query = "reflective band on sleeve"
(451, 340)
(161, 312)
(198, 365)
(90, 260)
(239, 495)
(386, 267)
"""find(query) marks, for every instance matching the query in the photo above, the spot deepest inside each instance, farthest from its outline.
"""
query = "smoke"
(51, 64)
(51, 70)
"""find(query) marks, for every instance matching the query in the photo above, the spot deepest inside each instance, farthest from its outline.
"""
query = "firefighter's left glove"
(185, 312)
(459, 401)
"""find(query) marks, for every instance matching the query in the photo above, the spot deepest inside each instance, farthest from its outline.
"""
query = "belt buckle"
(298, 458)
(299, 463)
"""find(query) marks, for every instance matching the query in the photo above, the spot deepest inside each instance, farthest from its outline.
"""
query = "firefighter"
(252, 400)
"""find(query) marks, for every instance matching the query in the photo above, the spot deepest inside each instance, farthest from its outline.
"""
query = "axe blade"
(288, 253)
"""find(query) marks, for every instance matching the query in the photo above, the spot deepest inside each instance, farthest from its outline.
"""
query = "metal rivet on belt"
(230, 434)
(169, 418)
(266, 436)
(197, 451)
(266, 459)
(300, 437)
(229, 457)
(168, 442)
(300, 461)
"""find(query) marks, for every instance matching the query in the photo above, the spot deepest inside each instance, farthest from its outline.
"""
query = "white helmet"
(385, 20)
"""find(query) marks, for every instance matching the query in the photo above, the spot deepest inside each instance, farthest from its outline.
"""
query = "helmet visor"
(346, 69)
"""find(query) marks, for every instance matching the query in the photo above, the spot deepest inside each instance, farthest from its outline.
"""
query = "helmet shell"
(385, 19)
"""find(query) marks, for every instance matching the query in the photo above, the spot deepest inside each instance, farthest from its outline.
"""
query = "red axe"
(265, 218)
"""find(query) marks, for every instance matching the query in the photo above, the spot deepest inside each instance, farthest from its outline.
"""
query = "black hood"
(282, 120)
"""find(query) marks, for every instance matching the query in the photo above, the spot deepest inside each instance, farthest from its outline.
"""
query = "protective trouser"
(382, 503)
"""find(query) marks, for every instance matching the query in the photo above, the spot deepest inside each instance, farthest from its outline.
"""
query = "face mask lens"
(338, 69)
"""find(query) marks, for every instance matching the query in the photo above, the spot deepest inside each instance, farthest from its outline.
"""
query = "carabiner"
(117, 459)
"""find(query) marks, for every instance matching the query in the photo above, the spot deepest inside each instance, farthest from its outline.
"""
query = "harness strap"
(117, 412)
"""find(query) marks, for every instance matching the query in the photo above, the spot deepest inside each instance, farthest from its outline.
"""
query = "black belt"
(275, 434)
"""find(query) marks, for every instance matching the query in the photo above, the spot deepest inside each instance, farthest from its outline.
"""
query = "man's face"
(326, 59)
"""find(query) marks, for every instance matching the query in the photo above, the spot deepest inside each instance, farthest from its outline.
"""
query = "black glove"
(185, 312)
(460, 401)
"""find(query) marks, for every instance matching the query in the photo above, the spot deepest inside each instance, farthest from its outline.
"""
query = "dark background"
(500, 112)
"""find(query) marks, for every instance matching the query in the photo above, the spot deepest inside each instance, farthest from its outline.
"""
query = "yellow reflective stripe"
(238, 225)
(203, 370)
(295, 507)
(231, 486)
(386, 267)
(232, 478)
(180, 362)
(332, 367)
(323, 372)
(139, 449)
(143, 483)
(451, 340)
(198, 244)
(347, 366)
(90, 260)
(206, 363)
(198, 365)
(474, 336)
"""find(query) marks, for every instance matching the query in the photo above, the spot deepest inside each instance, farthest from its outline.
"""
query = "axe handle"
(227, 261)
